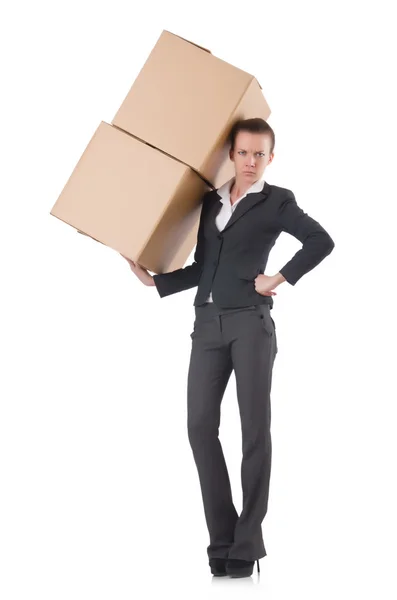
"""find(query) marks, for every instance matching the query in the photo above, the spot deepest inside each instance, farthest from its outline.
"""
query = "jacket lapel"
(242, 207)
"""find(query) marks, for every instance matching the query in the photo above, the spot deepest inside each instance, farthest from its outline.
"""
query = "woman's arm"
(317, 243)
(189, 276)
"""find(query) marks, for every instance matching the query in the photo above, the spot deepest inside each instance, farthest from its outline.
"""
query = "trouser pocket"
(268, 324)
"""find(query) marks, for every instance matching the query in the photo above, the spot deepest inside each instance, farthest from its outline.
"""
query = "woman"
(234, 331)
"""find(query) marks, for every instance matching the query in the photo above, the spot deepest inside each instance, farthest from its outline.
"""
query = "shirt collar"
(224, 190)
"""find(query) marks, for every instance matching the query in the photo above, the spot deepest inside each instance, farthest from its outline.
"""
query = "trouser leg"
(253, 349)
(209, 372)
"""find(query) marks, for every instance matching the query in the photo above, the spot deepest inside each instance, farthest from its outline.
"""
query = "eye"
(243, 152)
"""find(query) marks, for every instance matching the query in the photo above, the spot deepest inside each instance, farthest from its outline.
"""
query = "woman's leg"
(253, 342)
(209, 372)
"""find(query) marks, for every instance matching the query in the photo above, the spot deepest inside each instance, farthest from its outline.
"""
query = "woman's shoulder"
(281, 192)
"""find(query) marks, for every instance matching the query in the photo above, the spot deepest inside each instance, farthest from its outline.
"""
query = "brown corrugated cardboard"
(184, 102)
(133, 198)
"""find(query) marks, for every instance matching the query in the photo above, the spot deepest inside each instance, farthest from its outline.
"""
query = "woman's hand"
(264, 285)
(142, 273)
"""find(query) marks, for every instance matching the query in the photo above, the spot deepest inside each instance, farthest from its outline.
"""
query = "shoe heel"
(257, 564)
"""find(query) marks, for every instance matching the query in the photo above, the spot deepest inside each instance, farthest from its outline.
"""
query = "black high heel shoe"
(218, 566)
(236, 567)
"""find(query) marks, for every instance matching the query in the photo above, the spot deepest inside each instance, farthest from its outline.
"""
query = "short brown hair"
(254, 125)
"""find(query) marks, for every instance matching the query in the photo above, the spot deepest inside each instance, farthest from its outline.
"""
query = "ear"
(231, 155)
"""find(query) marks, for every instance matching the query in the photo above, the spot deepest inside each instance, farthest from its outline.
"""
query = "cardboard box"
(184, 102)
(133, 198)
(138, 186)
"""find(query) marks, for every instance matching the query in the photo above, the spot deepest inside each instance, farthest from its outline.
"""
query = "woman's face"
(251, 155)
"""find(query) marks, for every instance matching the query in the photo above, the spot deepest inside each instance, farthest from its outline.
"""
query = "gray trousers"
(243, 340)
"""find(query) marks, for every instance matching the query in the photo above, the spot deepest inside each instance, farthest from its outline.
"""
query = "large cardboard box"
(184, 102)
(138, 185)
(133, 198)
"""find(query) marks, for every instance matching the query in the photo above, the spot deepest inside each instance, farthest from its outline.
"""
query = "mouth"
(249, 172)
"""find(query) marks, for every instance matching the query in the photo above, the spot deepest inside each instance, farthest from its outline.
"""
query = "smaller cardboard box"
(184, 102)
(134, 199)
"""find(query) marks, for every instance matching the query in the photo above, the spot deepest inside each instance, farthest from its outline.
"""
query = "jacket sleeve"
(186, 277)
(316, 242)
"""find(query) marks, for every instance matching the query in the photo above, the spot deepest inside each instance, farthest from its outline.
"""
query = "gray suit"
(228, 261)
(236, 332)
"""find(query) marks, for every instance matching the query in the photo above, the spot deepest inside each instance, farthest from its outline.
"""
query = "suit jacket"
(228, 261)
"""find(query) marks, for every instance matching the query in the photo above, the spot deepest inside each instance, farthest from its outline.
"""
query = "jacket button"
(219, 236)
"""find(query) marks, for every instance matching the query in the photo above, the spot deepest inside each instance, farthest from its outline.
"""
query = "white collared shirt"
(227, 209)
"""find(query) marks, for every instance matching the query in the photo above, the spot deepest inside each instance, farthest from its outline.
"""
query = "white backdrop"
(100, 495)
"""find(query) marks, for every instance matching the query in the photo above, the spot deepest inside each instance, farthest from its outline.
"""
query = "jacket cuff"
(159, 282)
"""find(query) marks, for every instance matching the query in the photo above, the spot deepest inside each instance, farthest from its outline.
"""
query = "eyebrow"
(255, 150)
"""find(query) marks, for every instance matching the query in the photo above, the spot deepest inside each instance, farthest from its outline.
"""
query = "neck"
(239, 188)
